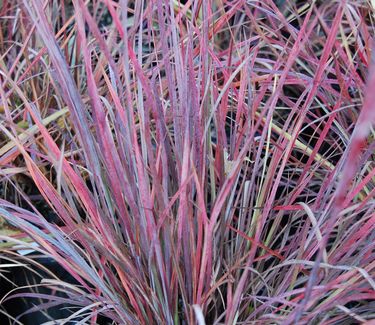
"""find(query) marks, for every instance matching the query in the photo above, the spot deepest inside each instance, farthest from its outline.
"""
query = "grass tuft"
(185, 162)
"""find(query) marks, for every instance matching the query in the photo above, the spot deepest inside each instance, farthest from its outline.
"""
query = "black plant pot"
(18, 307)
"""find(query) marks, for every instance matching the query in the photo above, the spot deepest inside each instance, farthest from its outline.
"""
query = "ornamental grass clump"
(187, 162)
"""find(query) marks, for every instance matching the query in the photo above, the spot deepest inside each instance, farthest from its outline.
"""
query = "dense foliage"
(206, 161)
